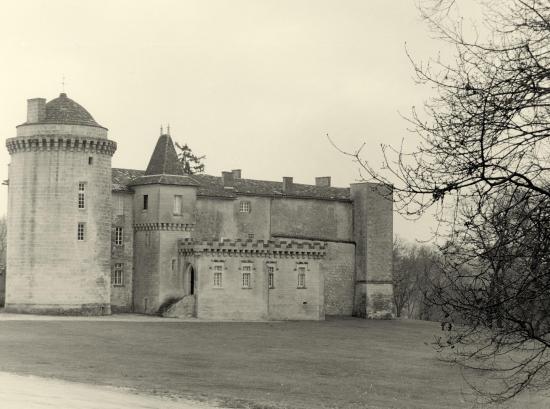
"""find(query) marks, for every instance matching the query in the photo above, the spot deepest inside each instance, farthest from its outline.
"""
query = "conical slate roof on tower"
(164, 160)
(164, 167)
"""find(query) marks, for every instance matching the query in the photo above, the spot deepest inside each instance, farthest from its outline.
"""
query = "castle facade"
(86, 238)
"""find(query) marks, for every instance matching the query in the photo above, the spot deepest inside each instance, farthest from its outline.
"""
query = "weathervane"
(63, 83)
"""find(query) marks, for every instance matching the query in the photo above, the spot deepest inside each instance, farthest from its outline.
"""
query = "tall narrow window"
(173, 265)
(178, 201)
(119, 205)
(218, 268)
(145, 202)
(270, 277)
(81, 187)
(90, 160)
(247, 276)
(118, 236)
(301, 277)
(147, 239)
(117, 278)
(80, 232)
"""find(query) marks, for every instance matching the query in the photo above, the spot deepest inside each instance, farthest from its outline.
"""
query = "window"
(250, 235)
(145, 202)
(90, 160)
(80, 232)
(81, 187)
(117, 278)
(178, 201)
(147, 239)
(119, 205)
(301, 277)
(218, 275)
(270, 277)
(118, 236)
(246, 281)
(173, 265)
(244, 207)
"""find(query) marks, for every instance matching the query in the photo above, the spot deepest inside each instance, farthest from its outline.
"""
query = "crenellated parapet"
(163, 227)
(254, 248)
(61, 142)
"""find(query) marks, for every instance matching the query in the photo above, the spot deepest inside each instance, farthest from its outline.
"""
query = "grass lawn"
(347, 363)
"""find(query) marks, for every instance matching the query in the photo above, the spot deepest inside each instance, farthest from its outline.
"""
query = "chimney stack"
(287, 184)
(323, 181)
(36, 110)
(236, 174)
(228, 180)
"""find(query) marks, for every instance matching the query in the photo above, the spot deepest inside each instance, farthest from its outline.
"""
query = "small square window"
(250, 235)
(244, 207)
(118, 236)
(80, 232)
(117, 278)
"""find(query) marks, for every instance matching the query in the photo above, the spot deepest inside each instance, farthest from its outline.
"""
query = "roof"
(212, 186)
(164, 160)
(63, 110)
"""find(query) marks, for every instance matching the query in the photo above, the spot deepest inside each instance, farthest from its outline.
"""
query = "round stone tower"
(59, 211)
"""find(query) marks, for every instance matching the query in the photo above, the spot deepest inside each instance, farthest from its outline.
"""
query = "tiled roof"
(213, 186)
(181, 180)
(164, 160)
(63, 110)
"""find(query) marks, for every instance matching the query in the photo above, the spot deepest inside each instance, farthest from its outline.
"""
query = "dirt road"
(30, 392)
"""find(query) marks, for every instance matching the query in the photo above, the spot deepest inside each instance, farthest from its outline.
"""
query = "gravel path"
(31, 392)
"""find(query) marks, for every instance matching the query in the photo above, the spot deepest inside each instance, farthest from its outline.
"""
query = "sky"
(252, 84)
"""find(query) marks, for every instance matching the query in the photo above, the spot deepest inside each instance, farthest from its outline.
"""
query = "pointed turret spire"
(164, 160)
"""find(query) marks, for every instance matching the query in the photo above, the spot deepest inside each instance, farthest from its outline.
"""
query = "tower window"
(247, 276)
(145, 202)
(271, 277)
(218, 275)
(118, 236)
(81, 195)
(117, 278)
(147, 239)
(173, 265)
(90, 160)
(178, 202)
(301, 277)
(244, 207)
(80, 232)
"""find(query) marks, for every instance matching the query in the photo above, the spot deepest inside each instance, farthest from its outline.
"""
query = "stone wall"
(338, 269)
(49, 270)
(122, 216)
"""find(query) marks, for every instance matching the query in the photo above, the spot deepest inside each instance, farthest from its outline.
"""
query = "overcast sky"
(254, 85)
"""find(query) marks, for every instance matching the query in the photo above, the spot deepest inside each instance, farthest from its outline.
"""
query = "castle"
(86, 238)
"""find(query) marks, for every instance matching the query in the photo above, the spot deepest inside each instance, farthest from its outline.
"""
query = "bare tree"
(483, 162)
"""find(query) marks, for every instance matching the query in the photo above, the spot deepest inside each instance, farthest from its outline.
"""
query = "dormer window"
(178, 204)
(244, 207)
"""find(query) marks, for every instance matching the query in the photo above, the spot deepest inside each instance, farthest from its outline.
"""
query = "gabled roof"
(212, 186)
(164, 160)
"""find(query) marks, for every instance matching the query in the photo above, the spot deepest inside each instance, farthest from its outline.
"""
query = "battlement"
(58, 142)
(254, 248)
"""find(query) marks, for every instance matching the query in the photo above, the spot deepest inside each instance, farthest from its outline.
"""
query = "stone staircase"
(182, 308)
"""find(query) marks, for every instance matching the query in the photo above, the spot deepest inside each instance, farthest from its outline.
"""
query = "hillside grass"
(338, 363)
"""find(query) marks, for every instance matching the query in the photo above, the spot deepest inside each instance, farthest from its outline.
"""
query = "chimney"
(228, 180)
(287, 184)
(236, 173)
(323, 181)
(36, 110)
